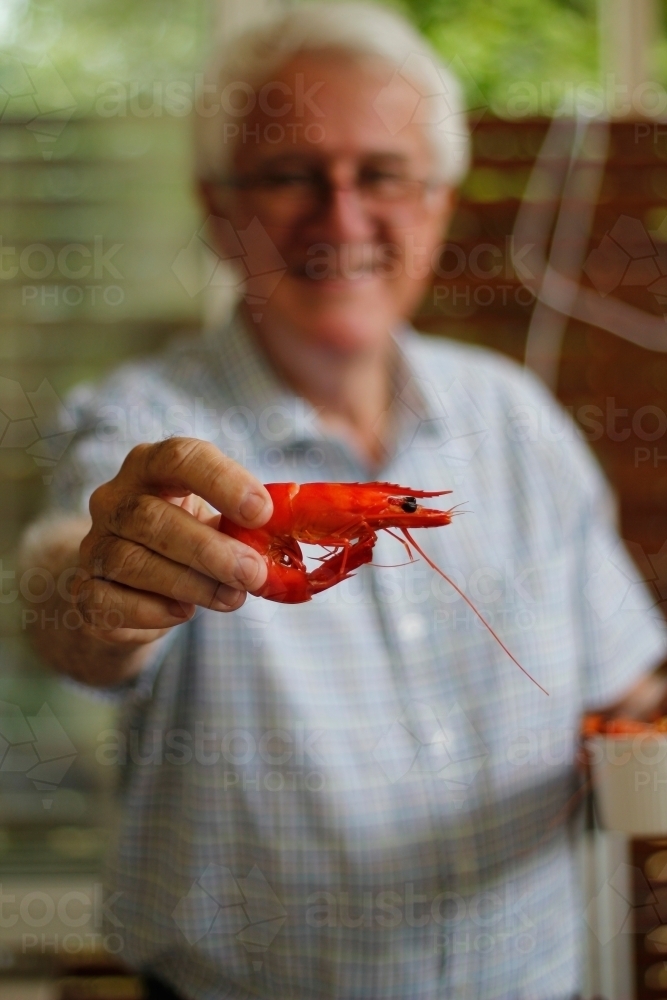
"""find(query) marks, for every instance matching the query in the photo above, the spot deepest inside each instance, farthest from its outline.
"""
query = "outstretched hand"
(154, 553)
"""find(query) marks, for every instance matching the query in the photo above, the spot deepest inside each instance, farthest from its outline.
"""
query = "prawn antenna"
(456, 513)
(471, 606)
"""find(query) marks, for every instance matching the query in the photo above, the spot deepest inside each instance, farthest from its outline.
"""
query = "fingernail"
(177, 610)
(227, 599)
(252, 506)
(248, 569)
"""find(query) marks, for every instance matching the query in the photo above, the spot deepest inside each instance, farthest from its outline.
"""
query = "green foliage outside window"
(544, 48)
(550, 45)
(502, 48)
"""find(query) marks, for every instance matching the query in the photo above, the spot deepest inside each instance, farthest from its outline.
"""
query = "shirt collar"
(250, 378)
(252, 382)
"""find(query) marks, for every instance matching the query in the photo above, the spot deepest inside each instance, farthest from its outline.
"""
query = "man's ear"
(209, 198)
(447, 203)
(217, 211)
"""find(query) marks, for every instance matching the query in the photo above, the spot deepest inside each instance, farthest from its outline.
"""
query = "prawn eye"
(285, 559)
(409, 505)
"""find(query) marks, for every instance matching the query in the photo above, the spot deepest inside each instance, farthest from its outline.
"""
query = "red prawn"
(344, 517)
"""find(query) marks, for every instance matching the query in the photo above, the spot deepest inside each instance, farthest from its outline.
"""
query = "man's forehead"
(328, 104)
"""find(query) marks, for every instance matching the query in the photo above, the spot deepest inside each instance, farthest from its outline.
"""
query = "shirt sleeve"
(622, 632)
(109, 420)
(101, 440)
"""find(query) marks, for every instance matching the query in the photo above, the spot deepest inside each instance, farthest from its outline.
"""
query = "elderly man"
(362, 796)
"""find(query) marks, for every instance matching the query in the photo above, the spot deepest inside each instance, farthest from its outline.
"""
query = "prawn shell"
(314, 511)
(344, 516)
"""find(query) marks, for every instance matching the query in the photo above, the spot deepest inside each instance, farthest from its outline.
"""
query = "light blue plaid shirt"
(363, 797)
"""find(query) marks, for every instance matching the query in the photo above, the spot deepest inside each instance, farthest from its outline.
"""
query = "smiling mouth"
(317, 273)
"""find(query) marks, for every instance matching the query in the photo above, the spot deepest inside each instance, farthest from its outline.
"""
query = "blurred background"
(99, 259)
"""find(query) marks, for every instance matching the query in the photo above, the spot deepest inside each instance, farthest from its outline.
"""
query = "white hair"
(357, 29)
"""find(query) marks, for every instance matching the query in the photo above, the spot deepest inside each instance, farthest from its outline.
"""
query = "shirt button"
(413, 626)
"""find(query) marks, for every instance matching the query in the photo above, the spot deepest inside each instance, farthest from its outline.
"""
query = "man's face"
(353, 210)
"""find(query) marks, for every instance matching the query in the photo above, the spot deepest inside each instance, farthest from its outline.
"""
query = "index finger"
(179, 466)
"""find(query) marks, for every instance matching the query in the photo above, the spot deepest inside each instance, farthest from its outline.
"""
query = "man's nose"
(343, 216)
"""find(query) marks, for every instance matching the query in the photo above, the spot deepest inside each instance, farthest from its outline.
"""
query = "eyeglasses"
(282, 195)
